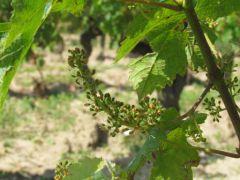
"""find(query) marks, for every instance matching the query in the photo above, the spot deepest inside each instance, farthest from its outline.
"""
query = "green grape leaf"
(141, 26)
(195, 58)
(210, 32)
(136, 32)
(192, 126)
(168, 115)
(167, 120)
(216, 8)
(27, 18)
(151, 144)
(86, 169)
(4, 27)
(153, 140)
(199, 118)
(18, 34)
(175, 159)
(73, 6)
(155, 71)
(160, 36)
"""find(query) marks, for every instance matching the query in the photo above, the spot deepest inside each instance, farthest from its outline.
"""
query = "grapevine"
(182, 35)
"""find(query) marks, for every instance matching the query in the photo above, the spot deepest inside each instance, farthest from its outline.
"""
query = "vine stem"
(214, 73)
(196, 104)
(156, 4)
(209, 150)
(218, 152)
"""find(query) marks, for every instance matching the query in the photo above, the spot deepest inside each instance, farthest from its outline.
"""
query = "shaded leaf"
(141, 26)
(73, 6)
(195, 58)
(27, 18)
(192, 126)
(155, 71)
(175, 159)
(151, 145)
(168, 115)
(19, 34)
(216, 8)
(86, 169)
(4, 27)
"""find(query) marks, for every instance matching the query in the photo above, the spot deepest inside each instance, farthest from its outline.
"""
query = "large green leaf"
(18, 34)
(159, 69)
(151, 145)
(4, 27)
(137, 31)
(167, 119)
(153, 140)
(194, 56)
(214, 9)
(175, 159)
(141, 26)
(86, 169)
(73, 6)
(26, 19)
(156, 70)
